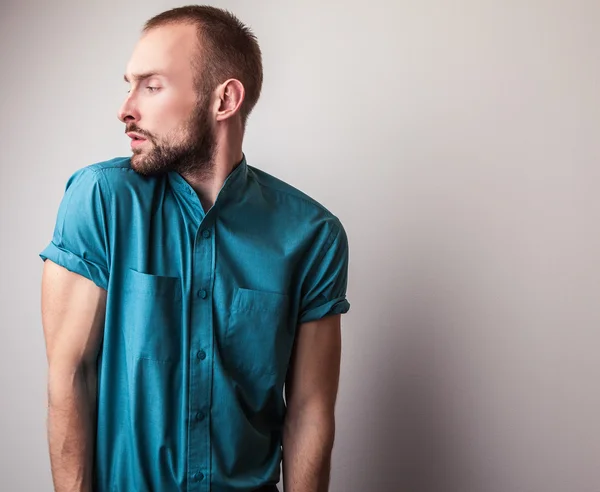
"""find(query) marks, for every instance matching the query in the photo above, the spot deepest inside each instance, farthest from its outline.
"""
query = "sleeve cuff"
(335, 306)
(75, 264)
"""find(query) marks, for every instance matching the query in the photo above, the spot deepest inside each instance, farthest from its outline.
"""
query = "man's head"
(195, 71)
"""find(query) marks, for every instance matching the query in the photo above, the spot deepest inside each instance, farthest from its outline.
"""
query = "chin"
(146, 166)
(138, 162)
(139, 158)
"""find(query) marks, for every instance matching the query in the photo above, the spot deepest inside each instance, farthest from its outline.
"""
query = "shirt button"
(202, 294)
(200, 416)
(198, 477)
(201, 354)
(205, 233)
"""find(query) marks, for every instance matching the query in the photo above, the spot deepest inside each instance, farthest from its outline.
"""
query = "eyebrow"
(141, 76)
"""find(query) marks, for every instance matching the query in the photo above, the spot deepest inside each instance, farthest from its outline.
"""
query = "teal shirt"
(202, 311)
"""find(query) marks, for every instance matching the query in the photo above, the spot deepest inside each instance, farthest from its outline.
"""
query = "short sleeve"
(80, 239)
(324, 289)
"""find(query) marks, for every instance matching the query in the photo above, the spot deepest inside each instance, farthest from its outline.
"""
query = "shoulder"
(87, 200)
(110, 176)
(292, 201)
(114, 171)
(96, 174)
(115, 164)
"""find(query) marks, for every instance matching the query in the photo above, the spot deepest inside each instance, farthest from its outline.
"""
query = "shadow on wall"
(416, 437)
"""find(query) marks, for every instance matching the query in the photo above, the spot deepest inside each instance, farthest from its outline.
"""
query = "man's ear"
(230, 96)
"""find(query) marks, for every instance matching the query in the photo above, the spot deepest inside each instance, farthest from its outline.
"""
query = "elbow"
(64, 365)
(317, 421)
(67, 379)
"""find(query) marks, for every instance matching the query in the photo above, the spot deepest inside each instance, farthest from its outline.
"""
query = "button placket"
(201, 344)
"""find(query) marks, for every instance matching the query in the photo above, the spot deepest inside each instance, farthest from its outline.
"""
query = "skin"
(73, 311)
(200, 136)
(311, 391)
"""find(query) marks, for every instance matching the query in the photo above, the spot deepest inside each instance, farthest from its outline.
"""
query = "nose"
(128, 110)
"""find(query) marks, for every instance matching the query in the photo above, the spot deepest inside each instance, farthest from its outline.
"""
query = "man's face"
(168, 121)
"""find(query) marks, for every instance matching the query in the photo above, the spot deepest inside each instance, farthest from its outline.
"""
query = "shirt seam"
(112, 168)
(62, 221)
(333, 235)
(111, 217)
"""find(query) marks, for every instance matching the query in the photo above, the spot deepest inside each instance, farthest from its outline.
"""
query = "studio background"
(459, 144)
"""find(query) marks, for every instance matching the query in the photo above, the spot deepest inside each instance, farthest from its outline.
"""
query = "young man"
(184, 288)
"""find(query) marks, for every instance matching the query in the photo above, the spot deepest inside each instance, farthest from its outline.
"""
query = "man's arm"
(311, 391)
(73, 310)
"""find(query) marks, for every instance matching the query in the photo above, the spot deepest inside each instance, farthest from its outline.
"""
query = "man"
(185, 293)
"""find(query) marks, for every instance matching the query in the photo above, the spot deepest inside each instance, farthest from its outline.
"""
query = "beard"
(195, 154)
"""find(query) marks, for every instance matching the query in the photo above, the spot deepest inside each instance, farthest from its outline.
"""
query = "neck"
(208, 184)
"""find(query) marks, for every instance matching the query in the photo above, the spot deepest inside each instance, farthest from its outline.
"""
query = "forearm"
(307, 446)
(71, 416)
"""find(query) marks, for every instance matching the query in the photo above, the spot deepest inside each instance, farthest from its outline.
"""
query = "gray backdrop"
(457, 141)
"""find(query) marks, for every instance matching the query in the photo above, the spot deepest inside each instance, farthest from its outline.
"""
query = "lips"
(135, 136)
(137, 139)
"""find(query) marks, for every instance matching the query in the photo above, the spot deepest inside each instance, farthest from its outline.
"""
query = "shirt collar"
(234, 181)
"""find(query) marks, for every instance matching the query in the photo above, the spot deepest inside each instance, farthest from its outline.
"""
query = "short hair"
(229, 49)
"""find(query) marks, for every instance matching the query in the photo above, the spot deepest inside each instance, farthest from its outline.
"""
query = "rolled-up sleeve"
(80, 239)
(324, 290)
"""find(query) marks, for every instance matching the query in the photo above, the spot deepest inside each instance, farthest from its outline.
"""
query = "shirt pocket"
(258, 339)
(152, 319)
